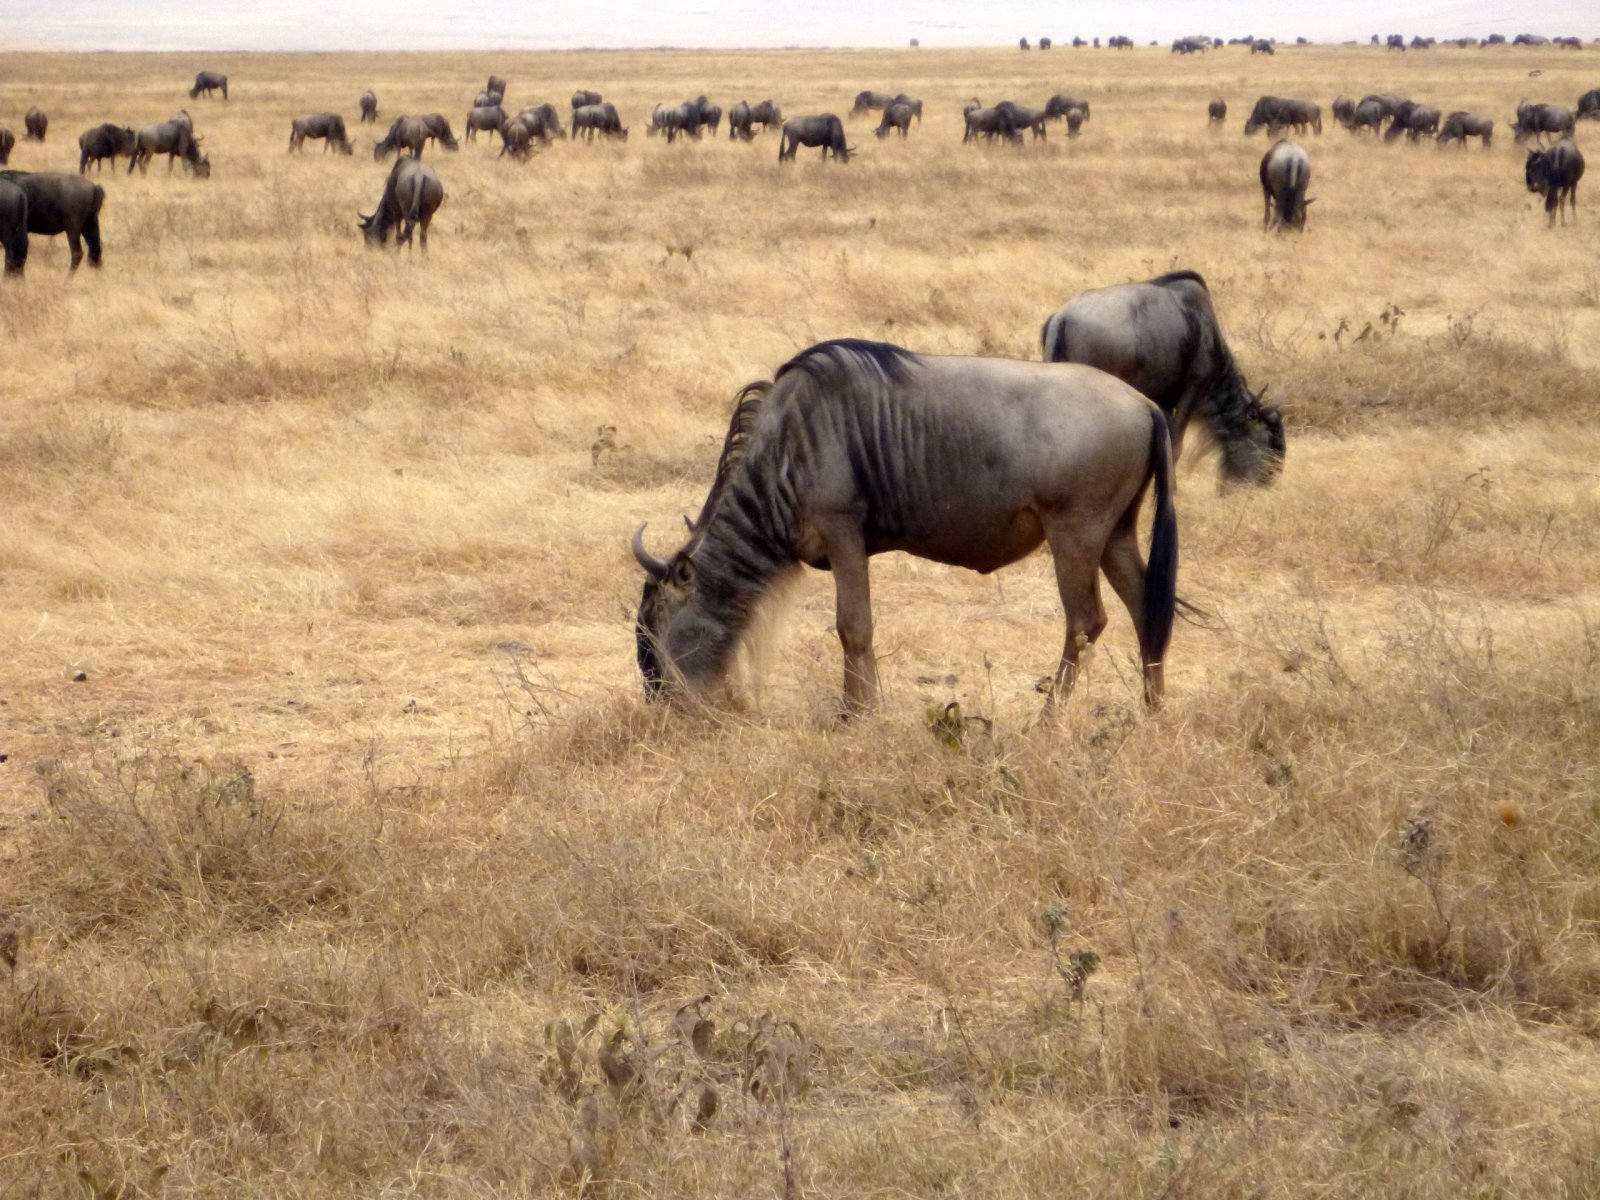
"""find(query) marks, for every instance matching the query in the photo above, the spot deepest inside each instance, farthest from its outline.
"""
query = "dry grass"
(354, 866)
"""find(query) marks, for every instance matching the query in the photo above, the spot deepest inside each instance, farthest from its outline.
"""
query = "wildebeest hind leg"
(76, 247)
(1124, 568)
(1077, 563)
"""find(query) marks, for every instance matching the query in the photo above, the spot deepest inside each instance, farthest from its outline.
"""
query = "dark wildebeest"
(1274, 114)
(7, 141)
(743, 118)
(1368, 115)
(487, 100)
(1569, 43)
(515, 139)
(866, 101)
(1024, 118)
(1162, 337)
(678, 119)
(439, 130)
(1459, 126)
(406, 133)
(1589, 104)
(369, 107)
(329, 126)
(1022, 44)
(896, 116)
(1045, 43)
(1555, 172)
(1058, 105)
(14, 226)
(989, 123)
(1285, 173)
(914, 103)
(1121, 42)
(34, 124)
(1344, 111)
(1074, 122)
(174, 139)
(67, 204)
(860, 448)
(411, 195)
(1217, 111)
(103, 142)
(1530, 39)
(208, 82)
(1413, 120)
(1536, 120)
(598, 118)
(711, 114)
(1396, 41)
(489, 119)
(825, 130)
(495, 84)
(1262, 46)
(583, 97)
(543, 122)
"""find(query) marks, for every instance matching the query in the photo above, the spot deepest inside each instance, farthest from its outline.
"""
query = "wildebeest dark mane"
(827, 360)
(746, 408)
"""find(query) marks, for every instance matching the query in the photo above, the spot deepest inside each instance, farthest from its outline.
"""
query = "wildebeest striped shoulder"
(842, 354)
(746, 409)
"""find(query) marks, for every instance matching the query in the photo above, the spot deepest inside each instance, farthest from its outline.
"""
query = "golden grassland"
(354, 865)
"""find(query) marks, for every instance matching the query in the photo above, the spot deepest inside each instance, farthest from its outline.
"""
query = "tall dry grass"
(353, 863)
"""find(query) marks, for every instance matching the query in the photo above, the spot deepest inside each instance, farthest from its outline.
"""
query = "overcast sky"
(516, 24)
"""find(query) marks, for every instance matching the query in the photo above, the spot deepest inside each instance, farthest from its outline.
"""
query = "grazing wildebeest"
(369, 106)
(1285, 172)
(208, 82)
(1368, 115)
(515, 139)
(1396, 41)
(1121, 42)
(989, 123)
(860, 448)
(1459, 126)
(439, 130)
(866, 101)
(103, 142)
(543, 122)
(1045, 43)
(487, 100)
(711, 114)
(411, 195)
(1074, 122)
(1569, 43)
(1217, 111)
(1262, 46)
(489, 119)
(743, 118)
(1555, 172)
(1536, 120)
(1058, 105)
(495, 84)
(1024, 118)
(406, 133)
(14, 226)
(1589, 104)
(34, 124)
(326, 125)
(67, 204)
(678, 119)
(1413, 120)
(1530, 39)
(1344, 111)
(174, 139)
(7, 141)
(583, 97)
(1162, 337)
(598, 118)
(1274, 114)
(914, 103)
(824, 129)
(1022, 44)
(896, 116)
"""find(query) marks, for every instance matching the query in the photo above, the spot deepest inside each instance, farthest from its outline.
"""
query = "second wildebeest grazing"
(489, 119)
(1060, 104)
(103, 142)
(14, 226)
(989, 123)
(867, 101)
(1555, 173)
(67, 204)
(860, 448)
(411, 195)
(583, 97)
(405, 133)
(369, 106)
(1217, 111)
(1274, 114)
(7, 141)
(208, 82)
(824, 130)
(1589, 105)
(743, 118)
(35, 124)
(1285, 174)
(1162, 337)
(1459, 126)
(176, 140)
(439, 130)
(598, 118)
(1536, 120)
(896, 116)
(326, 125)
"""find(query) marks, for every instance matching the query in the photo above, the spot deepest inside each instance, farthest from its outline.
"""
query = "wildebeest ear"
(1310, 200)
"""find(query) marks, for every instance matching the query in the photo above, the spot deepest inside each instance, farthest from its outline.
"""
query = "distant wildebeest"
(1285, 173)
(1555, 173)
(174, 139)
(1396, 41)
(489, 119)
(1162, 337)
(1537, 120)
(1414, 120)
(914, 103)
(1344, 111)
(860, 448)
(14, 226)
(1022, 44)
(1274, 114)
(369, 106)
(326, 125)
(542, 121)
(583, 97)
(487, 100)
(103, 142)
(989, 123)
(514, 139)
(1261, 46)
(824, 130)
(598, 118)
(1074, 122)
(1191, 45)
(67, 204)
(1121, 42)
(1369, 114)
(673, 120)
(1058, 105)
(1217, 111)
(208, 82)
(1023, 117)
(34, 124)
(439, 130)
(1045, 43)
(866, 101)
(1459, 126)
(896, 116)
(1494, 39)
(1589, 105)
(406, 133)
(1418, 42)
(495, 84)
(7, 141)
(411, 195)
(1530, 39)
(1569, 43)
(743, 118)
(711, 114)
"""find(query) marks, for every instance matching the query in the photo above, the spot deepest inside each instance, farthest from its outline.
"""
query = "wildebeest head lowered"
(1555, 173)
(405, 133)
(411, 195)
(1162, 337)
(1285, 174)
(860, 448)
(824, 130)
(326, 125)
(208, 82)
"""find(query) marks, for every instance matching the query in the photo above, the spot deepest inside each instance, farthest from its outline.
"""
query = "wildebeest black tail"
(1161, 570)
(91, 227)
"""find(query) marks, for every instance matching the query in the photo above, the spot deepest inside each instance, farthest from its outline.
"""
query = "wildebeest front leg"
(76, 247)
(1077, 563)
(847, 558)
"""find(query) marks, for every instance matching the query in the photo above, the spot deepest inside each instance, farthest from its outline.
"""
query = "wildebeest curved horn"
(653, 567)
(688, 524)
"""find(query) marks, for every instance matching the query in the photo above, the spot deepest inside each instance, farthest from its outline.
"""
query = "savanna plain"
(341, 856)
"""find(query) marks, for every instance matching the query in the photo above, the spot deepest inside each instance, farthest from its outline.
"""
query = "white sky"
(553, 24)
